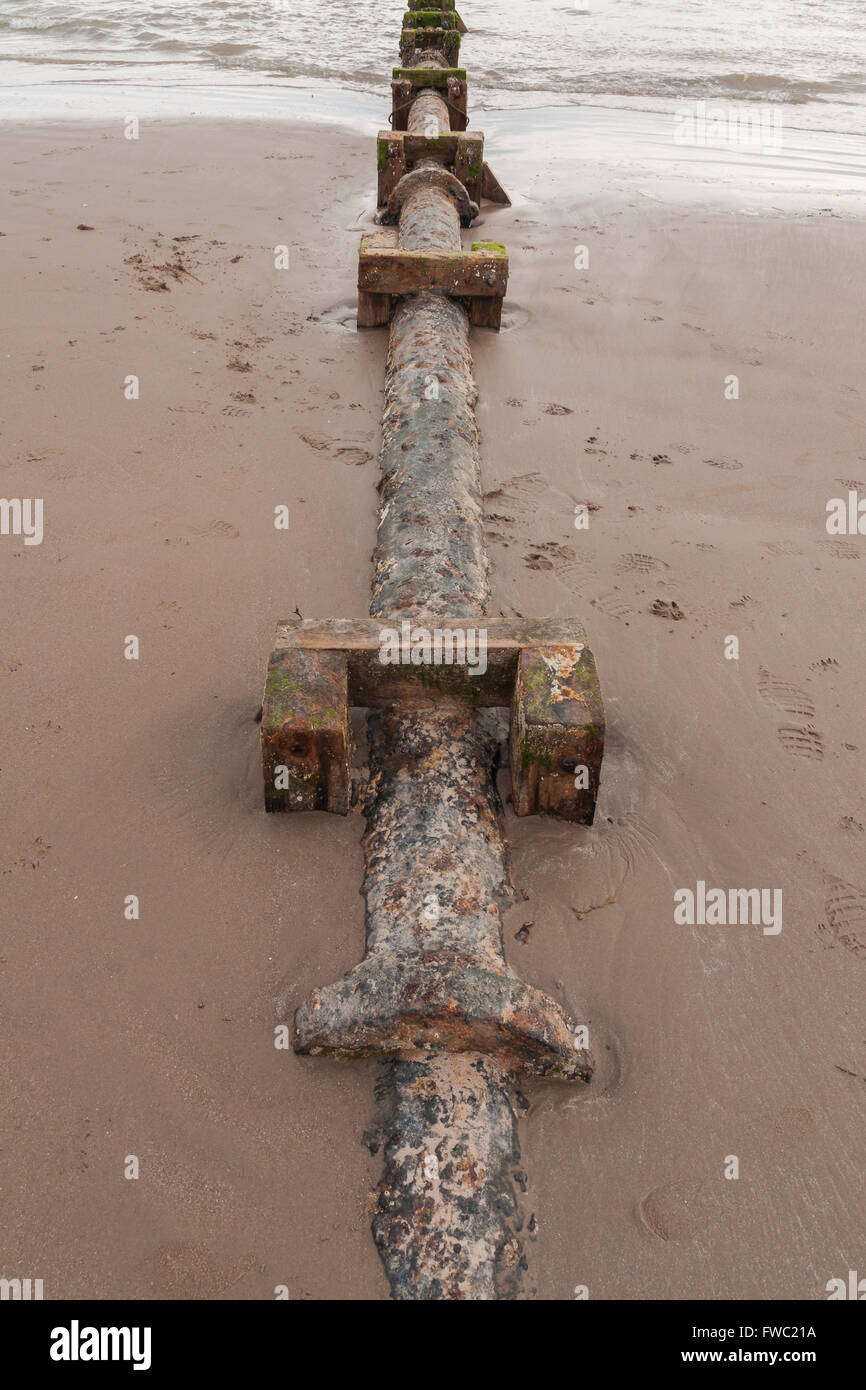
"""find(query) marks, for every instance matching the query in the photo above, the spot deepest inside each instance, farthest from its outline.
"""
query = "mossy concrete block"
(305, 731)
(446, 9)
(429, 19)
(428, 77)
(423, 41)
(557, 733)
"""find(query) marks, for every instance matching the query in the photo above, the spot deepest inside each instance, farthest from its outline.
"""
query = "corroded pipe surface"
(449, 1221)
(435, 813)
(430, 554)
(428, 221)
(434, 992)
(428, 115)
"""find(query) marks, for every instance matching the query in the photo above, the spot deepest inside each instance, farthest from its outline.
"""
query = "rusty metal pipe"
(430, 555)
(434, 993)
(428, 115)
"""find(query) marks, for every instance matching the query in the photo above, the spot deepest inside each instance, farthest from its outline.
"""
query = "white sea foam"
(520, 51)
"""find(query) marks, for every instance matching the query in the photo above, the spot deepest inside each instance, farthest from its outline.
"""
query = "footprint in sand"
(680, 1211)
(529, 495)
(842, 550)
(551, 555)
(642, 564)
(801, 743)
(570, 567)
(845, 909)
(218, 530)
(782, 693)
(518, 497)
(668, 609)
(493, 534)
(780, 548)
(341, 452)
(612, 605)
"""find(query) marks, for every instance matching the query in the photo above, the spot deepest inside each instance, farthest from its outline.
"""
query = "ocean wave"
(225, 50)
(623, 49)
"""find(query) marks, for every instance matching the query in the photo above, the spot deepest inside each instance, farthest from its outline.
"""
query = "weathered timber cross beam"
(434, 994)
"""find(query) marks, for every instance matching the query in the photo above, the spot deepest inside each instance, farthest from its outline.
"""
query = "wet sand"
(154, 1037)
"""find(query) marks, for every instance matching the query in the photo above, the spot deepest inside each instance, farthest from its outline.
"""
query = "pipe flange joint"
(432, 176)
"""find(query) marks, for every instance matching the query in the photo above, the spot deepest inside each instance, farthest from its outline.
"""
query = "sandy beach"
(155, 259)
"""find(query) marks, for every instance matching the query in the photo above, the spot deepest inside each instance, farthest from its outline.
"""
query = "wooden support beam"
(486, 313)
(390, 163)
(492, 189)
(392, 270)
(442, 9)
(401, 101)
(374, 682)
(397, 152)
(414, 41)
(407, 81)
(430, 18)
(375, 308)
(469, 163)
(428, 77)
(387, 271)
(458, 97)
(543, 670)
